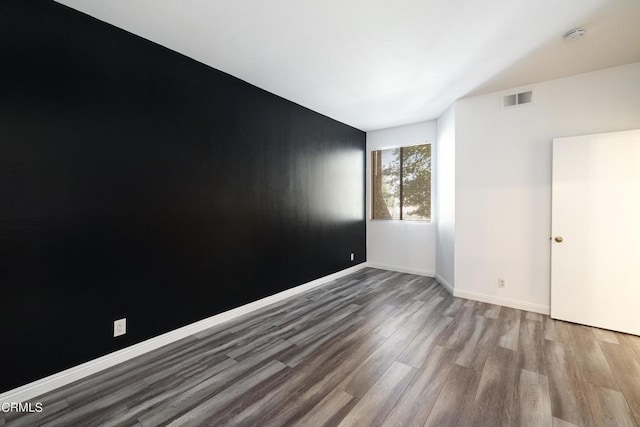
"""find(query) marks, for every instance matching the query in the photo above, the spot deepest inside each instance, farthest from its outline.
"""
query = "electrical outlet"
(352, 256)
(119, 327)
(502, 283)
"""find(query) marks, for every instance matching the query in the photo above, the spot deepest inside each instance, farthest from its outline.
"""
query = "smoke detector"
(574, 34)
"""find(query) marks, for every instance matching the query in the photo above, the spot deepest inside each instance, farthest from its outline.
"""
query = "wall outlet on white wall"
(119, 327)
(502, 283)
(352, 258)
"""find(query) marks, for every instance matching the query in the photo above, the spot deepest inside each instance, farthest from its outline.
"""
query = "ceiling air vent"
(517, 99)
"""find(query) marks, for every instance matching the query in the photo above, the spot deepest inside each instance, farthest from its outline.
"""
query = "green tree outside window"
(401, 179)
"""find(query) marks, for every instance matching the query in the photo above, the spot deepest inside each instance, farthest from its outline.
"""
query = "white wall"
(401, 245)
(445, 191)
(503, 178)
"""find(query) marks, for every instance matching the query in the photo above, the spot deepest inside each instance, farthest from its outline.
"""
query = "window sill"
(401, 221)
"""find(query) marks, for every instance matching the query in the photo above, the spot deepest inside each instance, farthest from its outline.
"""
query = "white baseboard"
(416, 271)
(448, 286)
(52, 382)
(507, 302)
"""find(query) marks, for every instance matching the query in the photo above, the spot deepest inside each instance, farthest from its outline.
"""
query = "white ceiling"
(380, 63)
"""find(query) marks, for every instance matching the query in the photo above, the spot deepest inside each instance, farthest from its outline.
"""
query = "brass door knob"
(559, 239)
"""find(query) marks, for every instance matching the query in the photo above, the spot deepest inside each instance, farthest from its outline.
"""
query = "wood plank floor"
(373, 348)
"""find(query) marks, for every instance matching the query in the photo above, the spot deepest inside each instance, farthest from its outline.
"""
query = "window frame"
(401, 185)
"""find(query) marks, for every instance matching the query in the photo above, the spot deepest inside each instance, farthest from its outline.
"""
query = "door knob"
(559, 239)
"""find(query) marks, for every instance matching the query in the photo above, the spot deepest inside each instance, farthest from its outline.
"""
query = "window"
(401, 183)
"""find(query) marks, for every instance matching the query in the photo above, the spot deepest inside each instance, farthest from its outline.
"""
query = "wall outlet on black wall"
(119, 327)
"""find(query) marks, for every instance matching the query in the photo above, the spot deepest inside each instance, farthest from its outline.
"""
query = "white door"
(595, 255)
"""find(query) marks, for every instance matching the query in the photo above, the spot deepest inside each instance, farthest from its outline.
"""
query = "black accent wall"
(136, 182)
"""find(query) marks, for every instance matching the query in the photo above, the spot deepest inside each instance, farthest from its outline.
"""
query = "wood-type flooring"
(372, 348)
